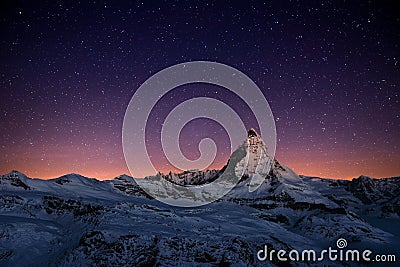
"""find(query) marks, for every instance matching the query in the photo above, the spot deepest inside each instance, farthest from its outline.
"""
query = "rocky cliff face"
(257, 162)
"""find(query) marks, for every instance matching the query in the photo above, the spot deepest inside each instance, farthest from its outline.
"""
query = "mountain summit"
(257, 163)
(250, 160)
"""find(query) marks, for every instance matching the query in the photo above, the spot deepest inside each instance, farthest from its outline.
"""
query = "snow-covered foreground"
(75, 221)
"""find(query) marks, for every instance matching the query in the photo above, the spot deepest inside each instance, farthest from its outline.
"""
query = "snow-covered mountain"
(77, 221)
(254, 163)
(257, 163)
(192, 177)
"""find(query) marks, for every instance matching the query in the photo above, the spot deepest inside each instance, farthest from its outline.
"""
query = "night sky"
(329, 70)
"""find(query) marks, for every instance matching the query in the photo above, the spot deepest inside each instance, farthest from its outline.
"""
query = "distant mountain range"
(77, 221)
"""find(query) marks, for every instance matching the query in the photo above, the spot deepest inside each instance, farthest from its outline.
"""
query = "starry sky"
(329, 69)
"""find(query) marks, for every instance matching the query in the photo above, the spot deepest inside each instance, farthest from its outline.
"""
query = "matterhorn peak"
(257, 163)
(252, 133)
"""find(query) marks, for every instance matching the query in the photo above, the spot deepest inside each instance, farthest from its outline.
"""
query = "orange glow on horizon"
(335, 169)
(104, 164)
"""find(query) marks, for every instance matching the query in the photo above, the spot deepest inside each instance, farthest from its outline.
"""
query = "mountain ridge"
(127, 175)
